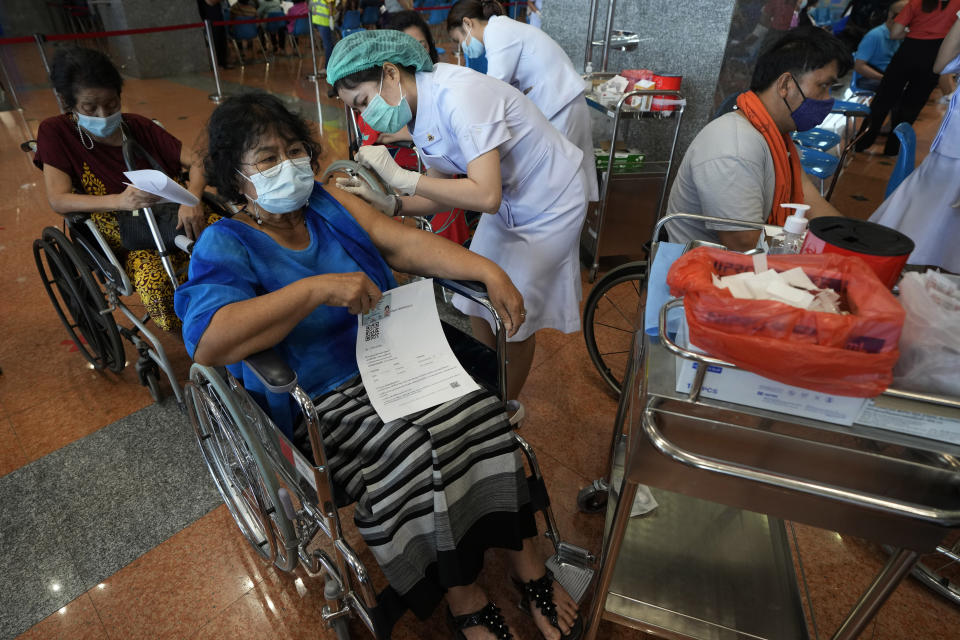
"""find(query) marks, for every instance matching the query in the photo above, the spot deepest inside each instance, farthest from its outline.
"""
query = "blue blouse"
(233, 261)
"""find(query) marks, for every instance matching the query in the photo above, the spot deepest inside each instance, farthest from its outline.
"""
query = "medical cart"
(713, 560)
(632, 200)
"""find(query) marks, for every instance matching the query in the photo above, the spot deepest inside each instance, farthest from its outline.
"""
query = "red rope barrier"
(58, 37)
(450, 6)
(54, 37)
(17, 40)
(224, 23)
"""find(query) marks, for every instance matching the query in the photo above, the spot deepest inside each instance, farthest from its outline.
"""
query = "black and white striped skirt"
(433, 490)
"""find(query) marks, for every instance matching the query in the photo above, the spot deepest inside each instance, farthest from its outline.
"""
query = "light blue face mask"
(287, 187)
(472, 48)
(99, 127)
(386, 118)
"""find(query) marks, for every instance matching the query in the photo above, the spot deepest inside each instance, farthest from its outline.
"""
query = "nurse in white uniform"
(926, 206)
(530, 60)
(519, 170)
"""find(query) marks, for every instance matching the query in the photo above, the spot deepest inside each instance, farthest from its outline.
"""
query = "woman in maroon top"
(82, 162)
(909, 78)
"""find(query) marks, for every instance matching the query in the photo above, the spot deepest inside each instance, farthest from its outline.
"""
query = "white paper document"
(404, 359)
(159, 184)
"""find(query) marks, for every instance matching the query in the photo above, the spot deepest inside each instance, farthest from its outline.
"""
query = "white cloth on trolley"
(534, 237)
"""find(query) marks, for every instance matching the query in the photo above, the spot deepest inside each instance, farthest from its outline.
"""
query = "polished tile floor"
(110, 527)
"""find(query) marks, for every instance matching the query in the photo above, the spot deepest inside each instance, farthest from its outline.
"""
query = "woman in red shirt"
(909, 78)
(82, 161)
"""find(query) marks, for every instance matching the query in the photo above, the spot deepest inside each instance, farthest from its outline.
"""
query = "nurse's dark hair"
(237, 125)
(402, 20)
(76, 68)
(354, 80)
(798, 52)
(473, 9)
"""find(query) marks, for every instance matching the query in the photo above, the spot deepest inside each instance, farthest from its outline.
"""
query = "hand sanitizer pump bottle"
(794, 229)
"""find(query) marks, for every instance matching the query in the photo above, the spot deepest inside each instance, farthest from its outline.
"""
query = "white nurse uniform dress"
(534, 236)
(922, 207)
(534, 63)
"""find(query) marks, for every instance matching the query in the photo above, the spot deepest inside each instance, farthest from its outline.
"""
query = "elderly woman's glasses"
(268, 165)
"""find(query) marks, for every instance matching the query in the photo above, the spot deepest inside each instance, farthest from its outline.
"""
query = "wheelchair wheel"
(240, 468)
(940, 570)
(593, 499)
(611, 316)
(79, 301)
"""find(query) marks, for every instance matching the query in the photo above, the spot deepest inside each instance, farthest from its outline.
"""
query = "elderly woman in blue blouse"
(292, 272)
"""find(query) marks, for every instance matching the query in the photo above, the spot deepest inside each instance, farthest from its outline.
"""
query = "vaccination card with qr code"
(404, 358)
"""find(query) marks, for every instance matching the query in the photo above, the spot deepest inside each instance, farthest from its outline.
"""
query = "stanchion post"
(39, 38)
(9, 86)
(315, 76)
(218, 97)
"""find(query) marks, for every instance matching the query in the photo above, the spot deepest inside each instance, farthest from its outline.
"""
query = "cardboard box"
(743, 387)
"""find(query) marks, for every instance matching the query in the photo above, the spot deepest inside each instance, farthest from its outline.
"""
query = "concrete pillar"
(154, 55)
(686, 38)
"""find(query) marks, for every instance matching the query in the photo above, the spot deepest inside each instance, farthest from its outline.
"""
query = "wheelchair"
(281, 500)
(85, 281)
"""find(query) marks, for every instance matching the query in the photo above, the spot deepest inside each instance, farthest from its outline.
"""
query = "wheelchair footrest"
(572, 566)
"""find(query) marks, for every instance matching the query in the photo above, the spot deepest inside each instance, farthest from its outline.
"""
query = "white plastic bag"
(930, 342)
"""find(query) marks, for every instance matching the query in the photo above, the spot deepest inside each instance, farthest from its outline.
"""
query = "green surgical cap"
(366, 49)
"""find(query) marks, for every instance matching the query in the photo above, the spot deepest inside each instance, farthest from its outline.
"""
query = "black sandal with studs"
(540, 592)
(488, 617)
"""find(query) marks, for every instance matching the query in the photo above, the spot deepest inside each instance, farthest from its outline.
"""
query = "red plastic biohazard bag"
(846, 355)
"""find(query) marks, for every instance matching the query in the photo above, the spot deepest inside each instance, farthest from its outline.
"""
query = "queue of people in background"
(909, 79)
(875, 52)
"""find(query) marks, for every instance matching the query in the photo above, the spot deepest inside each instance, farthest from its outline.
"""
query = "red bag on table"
(846, 355)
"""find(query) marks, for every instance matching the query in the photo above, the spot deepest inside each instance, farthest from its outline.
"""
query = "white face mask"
(286, 190)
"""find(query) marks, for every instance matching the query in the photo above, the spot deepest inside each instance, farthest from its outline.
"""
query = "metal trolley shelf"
(713, 560)
(615, 230)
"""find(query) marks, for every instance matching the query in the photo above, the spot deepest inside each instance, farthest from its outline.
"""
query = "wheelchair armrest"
(219, 204)
(184, 243)
(272, 370)
(469, 288)
(403, 144)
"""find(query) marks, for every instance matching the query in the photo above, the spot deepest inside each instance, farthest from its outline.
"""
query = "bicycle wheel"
(611, 316)
(78, 300)
(940, 570)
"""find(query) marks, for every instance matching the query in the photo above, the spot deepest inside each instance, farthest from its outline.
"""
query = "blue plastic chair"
(370, 15)
(273, 28)
(246, 33)
(352, 23)
(907, 157)
(819, 139)
(301, 27)
(851, 109)
(818, 164)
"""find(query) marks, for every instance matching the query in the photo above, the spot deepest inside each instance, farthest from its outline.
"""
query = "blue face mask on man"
(811, 112)
(99, 127)
(384, 117)
(472, 47)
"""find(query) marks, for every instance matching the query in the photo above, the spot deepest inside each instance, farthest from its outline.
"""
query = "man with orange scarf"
(744, 165)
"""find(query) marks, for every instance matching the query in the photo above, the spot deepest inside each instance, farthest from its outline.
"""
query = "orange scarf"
(786, 159)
